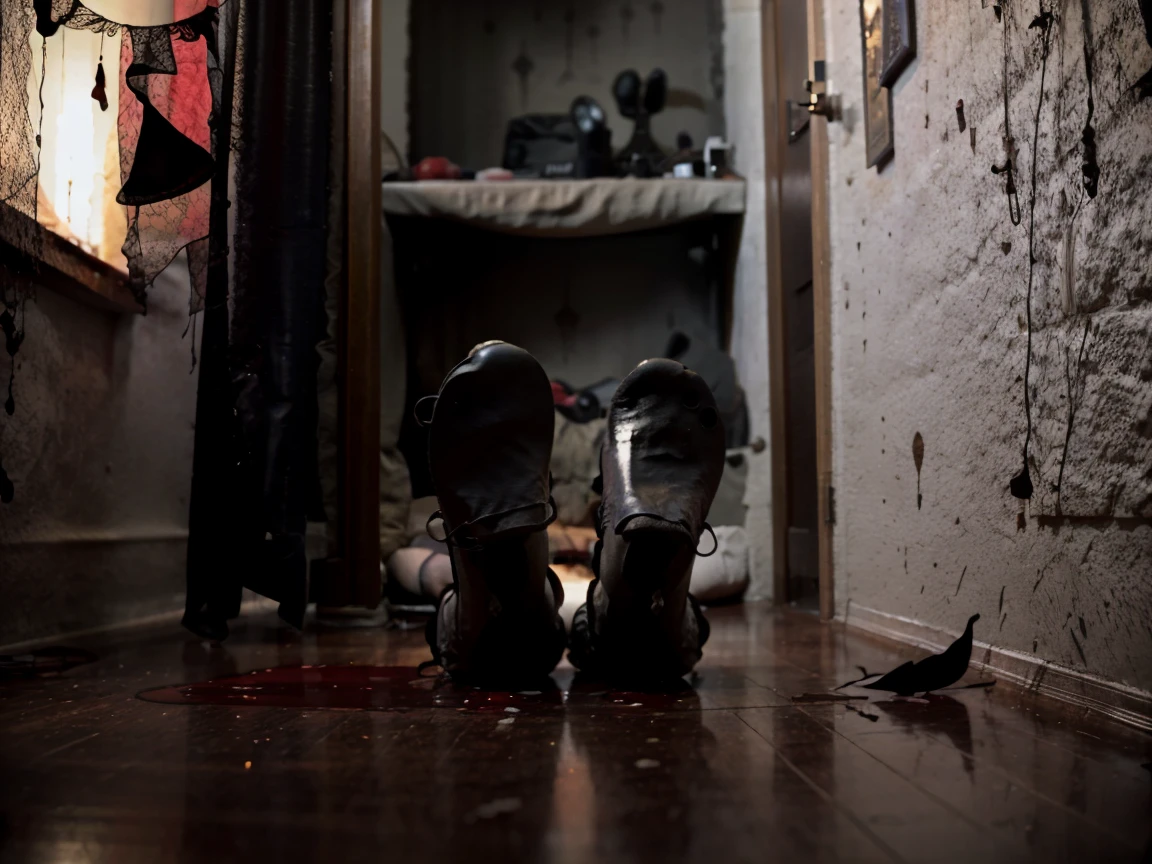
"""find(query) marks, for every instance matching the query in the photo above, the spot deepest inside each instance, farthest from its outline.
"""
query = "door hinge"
(830, 518)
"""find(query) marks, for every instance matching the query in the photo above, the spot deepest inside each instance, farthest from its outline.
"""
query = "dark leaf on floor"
(931, 673)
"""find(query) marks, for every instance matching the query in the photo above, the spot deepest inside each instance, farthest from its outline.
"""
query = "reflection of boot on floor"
(661, 464)
(489, 444)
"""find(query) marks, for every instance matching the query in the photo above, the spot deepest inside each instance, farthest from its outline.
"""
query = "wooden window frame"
(28, 249)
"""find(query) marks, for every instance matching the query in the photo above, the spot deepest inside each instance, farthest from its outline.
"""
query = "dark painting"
(877, 100)
(898, 39)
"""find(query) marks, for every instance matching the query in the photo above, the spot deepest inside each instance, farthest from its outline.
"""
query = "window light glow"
(79, 158)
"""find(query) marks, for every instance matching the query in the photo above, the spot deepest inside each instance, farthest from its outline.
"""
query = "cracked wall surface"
(930, 333)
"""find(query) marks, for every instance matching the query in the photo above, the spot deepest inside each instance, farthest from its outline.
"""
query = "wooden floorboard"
(732, 770)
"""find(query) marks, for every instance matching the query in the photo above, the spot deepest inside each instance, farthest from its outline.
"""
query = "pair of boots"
(489, 448)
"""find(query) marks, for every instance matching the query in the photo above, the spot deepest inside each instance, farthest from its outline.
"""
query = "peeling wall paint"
(930, 333)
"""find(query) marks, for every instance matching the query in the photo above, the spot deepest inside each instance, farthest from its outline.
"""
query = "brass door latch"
(820, 102)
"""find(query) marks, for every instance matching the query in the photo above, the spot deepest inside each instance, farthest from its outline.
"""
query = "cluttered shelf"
(567, 208)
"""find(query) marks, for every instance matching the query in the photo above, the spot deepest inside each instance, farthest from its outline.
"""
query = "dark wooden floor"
(733, 772)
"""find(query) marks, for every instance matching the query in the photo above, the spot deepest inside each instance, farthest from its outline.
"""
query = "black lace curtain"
(167, 131)
(234, 96)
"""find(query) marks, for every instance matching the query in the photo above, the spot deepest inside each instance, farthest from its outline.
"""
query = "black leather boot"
(489, 446)
(660, 467)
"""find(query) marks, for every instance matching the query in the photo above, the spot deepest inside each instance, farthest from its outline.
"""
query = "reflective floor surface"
(342, 753)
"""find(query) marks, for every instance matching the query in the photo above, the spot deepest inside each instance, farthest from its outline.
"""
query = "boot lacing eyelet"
(715, 543)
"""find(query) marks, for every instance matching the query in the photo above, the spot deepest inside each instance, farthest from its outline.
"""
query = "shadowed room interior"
(621, 431)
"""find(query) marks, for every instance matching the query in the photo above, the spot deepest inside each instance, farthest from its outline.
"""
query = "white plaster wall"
(100, 452)
(744, 113)
(929, 336)
(394, 51)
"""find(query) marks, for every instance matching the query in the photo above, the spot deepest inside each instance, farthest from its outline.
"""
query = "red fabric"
(185, 100)
(561, 396)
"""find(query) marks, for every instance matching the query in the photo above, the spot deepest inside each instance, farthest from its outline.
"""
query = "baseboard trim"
(1125, 704)
(101, 537)
(248, 607)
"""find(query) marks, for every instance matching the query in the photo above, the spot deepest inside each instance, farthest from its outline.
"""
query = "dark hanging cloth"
(167, 163)
(215, 521)
(255, 450)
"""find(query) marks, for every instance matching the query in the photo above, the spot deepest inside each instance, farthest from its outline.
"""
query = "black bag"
(551, 146)
(542, 145)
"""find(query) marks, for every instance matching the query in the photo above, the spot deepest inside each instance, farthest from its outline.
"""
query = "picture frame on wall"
(898, 39)
(877, 98)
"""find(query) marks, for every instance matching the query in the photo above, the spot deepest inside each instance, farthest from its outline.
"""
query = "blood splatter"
(7, 490)
(918, 458)
(1090, 168)
(1021, 484)
(13, 339)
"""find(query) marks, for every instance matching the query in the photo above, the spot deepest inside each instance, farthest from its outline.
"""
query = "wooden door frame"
(822, 319)
(776, 125)
(359, 377)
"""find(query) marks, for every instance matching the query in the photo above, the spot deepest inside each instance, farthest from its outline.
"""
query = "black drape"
(254, 470)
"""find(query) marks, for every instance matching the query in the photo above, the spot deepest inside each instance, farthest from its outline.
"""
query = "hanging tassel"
(98, 92)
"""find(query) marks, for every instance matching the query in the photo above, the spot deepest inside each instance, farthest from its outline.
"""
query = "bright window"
(80, 154)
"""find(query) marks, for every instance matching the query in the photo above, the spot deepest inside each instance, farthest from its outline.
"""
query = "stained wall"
(939, 301)
(99, 451)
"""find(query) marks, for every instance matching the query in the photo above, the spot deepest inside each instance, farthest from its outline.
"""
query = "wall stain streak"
(7, 490)
(627, 14)
(1009, 144)
(13, 339)
(569, 73)
(1073, 403)
(1021, 484)
(1090, 168)
(1079, 650)
(918, 458)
